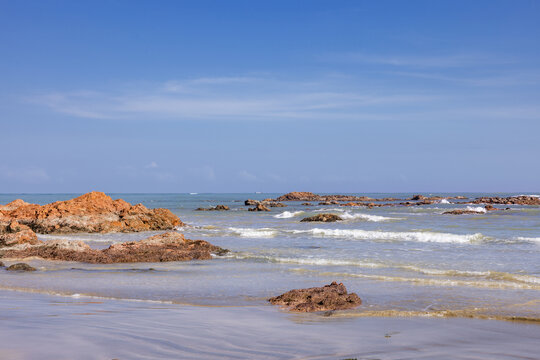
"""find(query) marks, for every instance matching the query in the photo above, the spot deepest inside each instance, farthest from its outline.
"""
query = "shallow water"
(402, 261)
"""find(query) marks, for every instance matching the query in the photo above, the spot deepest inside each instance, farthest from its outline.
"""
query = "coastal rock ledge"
(170, 246)
(92, 212)
(326, 298)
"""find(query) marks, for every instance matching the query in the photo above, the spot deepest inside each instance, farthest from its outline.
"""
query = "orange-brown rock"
(306, 204)
(327, 298)
(92, 212)
(20, 267)
(14, 233)
(170, 246)
(322, 218)
(274, 204)
(259, 207)
(309, 196)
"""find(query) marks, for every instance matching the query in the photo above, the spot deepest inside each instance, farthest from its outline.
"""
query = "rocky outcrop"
(215, 208)
(250, 202)
(92, 212)
(170, 246)
(20, 267)
(309, 196)
(307, 204)
(259, 207)
(14, 233)
(322, 218)
(327, 298)
(512, 200)
(330, 202)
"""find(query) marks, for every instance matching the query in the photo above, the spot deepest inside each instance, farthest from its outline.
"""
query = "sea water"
(404, 262)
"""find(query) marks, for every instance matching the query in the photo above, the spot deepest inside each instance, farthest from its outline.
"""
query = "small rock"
(327, 298)
(21, 267)
(250, 202)
(259, 207)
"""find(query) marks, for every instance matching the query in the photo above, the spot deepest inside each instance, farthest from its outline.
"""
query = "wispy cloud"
(241, 98)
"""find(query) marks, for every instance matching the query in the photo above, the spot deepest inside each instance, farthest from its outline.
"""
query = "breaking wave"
(444, 201)
(399, 236)
(288, 214)
(254, 233)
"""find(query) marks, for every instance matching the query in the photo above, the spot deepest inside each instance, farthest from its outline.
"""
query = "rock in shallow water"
(171, 246)
(323, 218)
(20, 267)
(328, 297)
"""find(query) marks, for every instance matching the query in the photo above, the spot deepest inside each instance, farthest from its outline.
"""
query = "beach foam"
(478, 209)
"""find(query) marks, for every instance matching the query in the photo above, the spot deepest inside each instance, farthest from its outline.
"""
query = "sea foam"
(348, 216)
(254, 233)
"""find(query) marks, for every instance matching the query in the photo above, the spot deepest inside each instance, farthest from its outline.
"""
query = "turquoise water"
(402, 261)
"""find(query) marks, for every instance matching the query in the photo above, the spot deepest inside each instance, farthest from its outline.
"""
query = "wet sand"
(39, 326)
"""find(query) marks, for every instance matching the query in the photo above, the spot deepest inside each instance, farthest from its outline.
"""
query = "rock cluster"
(92, 212)
(170, 246)
(468, 211)
(327, 298)
(309, 196)
(322, 218)
(512, 200)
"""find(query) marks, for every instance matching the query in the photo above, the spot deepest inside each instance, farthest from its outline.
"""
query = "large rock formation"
(322, 218)
(326, 298)
(92, 212)
(170, 246)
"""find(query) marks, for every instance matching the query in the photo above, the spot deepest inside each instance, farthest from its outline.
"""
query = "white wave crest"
(478, 209)
(288, 214)
(444, 201)
(367, 217)
(309, 261)
(254, 233)
(399, 236)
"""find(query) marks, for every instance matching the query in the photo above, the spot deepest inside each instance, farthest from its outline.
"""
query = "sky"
(270, 96)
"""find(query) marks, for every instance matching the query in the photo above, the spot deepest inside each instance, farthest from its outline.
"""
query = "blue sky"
(241, 96)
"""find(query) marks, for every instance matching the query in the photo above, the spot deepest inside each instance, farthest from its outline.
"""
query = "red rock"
(171, 246)
(327, 298)
(92, 212)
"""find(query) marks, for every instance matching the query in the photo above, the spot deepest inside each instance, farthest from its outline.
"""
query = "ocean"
(427, 280)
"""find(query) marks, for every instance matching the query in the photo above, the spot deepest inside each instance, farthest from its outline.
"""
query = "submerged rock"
(259, 207)
(170, 246)
(328, 297)
(215, 208)
(323, 218)
(274, 204)
(92, 212)
(307, 204)
(20, 267)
